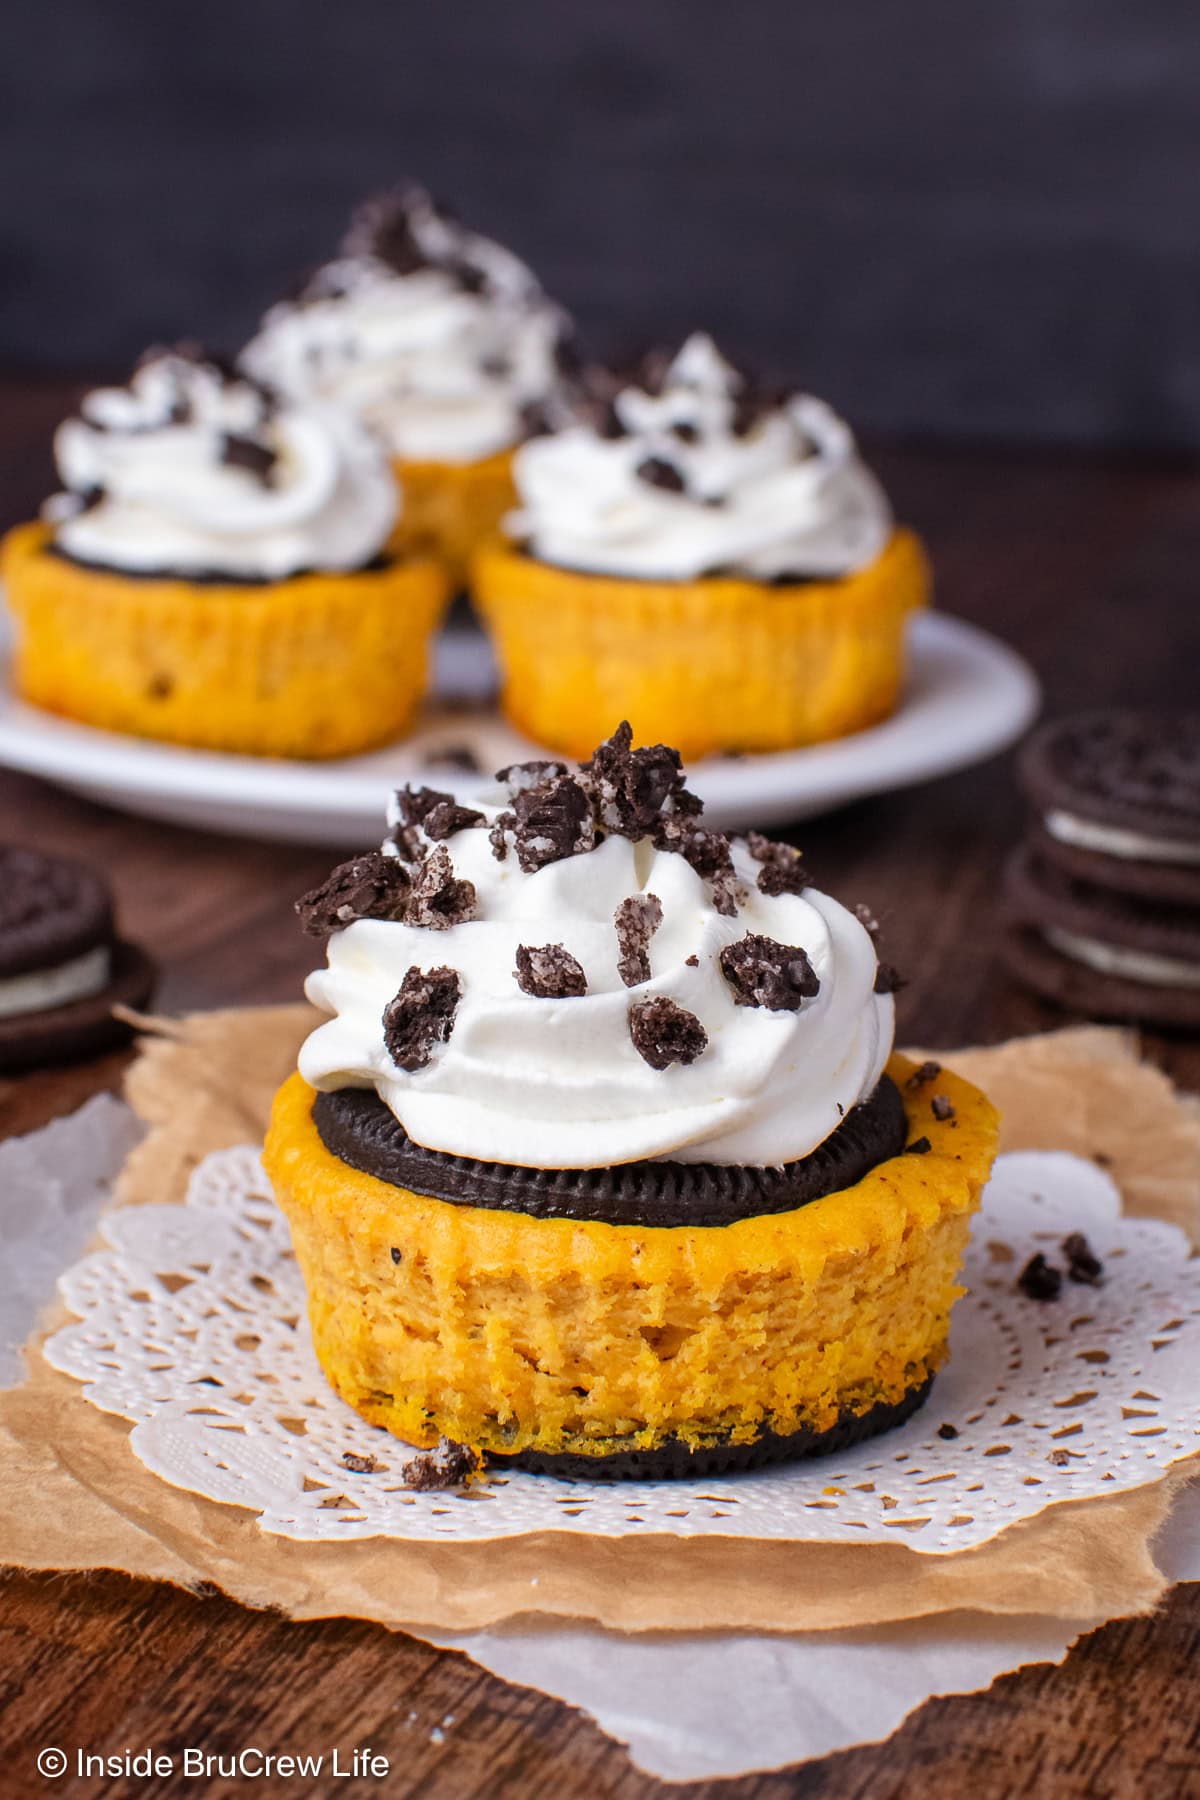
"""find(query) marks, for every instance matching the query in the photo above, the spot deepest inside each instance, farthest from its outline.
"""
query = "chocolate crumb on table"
(1040, 1280)
(1083, 1265)
(449, 1465)
(359, 1465)
(947, 1431)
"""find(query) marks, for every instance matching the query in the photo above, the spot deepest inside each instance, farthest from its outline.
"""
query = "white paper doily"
(192, 1324)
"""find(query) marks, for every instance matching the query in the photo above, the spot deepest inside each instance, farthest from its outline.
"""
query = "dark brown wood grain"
(1091, 569)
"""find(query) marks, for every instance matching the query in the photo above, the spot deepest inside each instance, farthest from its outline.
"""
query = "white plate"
(967, 697)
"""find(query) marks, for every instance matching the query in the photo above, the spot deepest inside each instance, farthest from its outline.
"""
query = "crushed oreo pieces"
(659, 472)
(1083, 1265)
(928, 1071)
(438, 899)
(447, 817)
(256, 458)
(360, 1465)
(421, 1016)
(1040, 1280)
(708, 853)
(663, 1032)
(888, 979)
(373, 886)
(636, 920)
(761, 972)
(414, 806)
(549, 972)
(498, 836)
(638, 792)
(919, 1147)
(866, 919)
(519, 776)
(552, 820)
(942, 1108)
(782, 871)
(449, 1465)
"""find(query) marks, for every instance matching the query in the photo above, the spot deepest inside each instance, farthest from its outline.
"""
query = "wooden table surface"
(1090, 568)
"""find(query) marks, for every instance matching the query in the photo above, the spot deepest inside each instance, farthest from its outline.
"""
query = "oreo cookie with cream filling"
(1100, 951)
(62, 967)
(1117, 798)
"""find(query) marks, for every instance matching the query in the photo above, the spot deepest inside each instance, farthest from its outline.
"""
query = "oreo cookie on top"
(1105, 893)
(62, 966)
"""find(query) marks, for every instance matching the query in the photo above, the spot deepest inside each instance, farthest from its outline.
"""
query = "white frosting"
(1112, 840)
(1115, 959)
(441, 373)
(40, 989)
(170, 500)
(788, 496)
(558, 1083)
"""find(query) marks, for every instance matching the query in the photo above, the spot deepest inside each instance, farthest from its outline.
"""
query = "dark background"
(948, 216)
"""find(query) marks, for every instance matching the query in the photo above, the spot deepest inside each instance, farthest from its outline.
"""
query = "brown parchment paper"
(73, 1497)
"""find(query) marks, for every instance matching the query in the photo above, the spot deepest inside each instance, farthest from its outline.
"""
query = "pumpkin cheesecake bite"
(708, 556)
(441, 340)
(216, 571)
(602, 1162)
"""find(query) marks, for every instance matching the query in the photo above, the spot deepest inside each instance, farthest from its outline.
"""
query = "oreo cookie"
(355, 1126)
(1098, 950)
(1117, 799)
(1104, 896)
(62, 966)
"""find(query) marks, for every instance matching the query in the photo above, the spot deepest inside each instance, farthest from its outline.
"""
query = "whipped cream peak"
(690, 469)
(572, 971)
(440, 338)
(196, 469)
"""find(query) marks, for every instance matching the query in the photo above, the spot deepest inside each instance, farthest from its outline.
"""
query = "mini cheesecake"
(602, 1162)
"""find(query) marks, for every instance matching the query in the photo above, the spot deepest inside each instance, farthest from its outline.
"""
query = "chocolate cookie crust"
(679, 1461)
(212, 577)
(355, 1125)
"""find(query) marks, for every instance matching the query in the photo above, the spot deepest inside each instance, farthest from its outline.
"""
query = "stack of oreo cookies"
(1105, 892)
(62, 966)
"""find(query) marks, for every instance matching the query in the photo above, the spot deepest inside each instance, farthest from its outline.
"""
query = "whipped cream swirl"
(560, 1081)
(195, 470)
(442, 340)
(691, 473)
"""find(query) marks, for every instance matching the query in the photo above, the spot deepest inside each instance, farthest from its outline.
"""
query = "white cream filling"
(1111, 840)
(41, 989)
(1115, 959)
